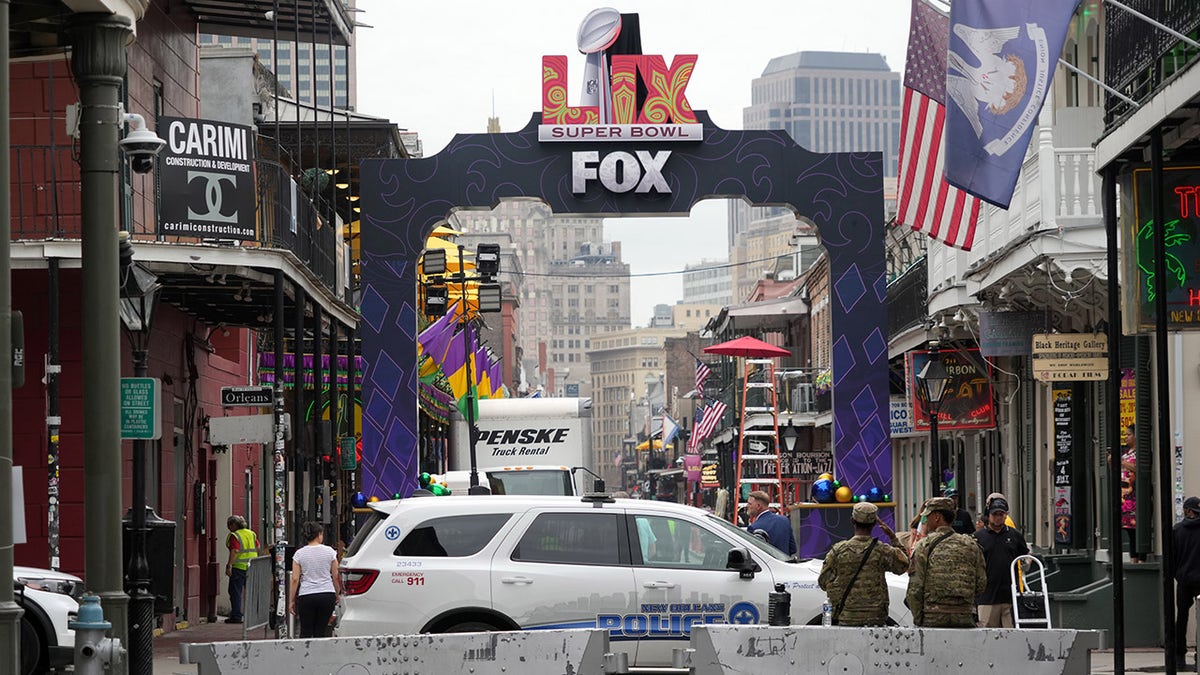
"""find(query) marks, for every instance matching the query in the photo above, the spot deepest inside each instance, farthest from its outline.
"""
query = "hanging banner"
(967, 403)
(206, 173)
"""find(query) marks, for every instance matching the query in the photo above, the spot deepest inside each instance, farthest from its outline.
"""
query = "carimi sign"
(207, 174)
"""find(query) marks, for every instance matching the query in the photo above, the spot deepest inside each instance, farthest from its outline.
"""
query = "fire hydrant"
(94, 653)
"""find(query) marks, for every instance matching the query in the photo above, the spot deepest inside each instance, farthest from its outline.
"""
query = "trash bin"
(160, 557)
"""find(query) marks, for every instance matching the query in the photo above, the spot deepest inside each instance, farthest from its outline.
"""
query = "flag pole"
(1096, 81)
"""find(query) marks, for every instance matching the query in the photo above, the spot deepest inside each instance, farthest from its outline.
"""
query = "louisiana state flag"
(999, 68)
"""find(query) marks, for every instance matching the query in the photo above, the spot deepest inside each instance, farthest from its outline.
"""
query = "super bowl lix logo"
(666, 114)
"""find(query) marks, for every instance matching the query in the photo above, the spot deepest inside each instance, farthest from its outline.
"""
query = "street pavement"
(166, 650)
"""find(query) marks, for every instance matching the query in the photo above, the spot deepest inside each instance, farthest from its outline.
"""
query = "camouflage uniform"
(942, 589)
(867, 604)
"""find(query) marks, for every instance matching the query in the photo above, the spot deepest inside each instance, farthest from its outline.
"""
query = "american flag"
(712, 417)
(694, 440)
(927, 202)
(702, 373)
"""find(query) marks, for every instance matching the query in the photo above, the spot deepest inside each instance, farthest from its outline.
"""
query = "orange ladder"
(758, 465)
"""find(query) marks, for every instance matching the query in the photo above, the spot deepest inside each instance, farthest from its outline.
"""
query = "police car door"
(682, 581)
(564, 569)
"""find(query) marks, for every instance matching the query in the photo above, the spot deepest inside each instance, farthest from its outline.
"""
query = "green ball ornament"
(837, 484)
(887, 497)
(424, 479)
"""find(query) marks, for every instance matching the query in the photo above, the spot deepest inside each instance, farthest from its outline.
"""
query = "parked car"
(646, 571)
(50, 600)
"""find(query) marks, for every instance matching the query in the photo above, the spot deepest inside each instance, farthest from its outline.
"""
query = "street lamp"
(788, 437)
(932, 380)
(139, 294)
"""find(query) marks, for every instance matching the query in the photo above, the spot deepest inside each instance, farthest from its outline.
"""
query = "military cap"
(937, 504)
(864, 513)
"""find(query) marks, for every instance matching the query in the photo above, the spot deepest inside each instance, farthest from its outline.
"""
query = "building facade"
(575, 287)
(308, 70)
(708, 282)
(627, 369)
(827, 102)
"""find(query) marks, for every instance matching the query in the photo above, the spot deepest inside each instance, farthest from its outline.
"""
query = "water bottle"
(827, 614)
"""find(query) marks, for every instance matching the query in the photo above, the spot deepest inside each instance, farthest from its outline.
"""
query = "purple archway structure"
(842, 193)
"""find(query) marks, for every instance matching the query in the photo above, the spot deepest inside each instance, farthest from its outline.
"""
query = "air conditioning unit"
(802, 397)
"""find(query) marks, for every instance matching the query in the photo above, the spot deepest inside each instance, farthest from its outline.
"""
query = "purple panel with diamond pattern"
(403, 200)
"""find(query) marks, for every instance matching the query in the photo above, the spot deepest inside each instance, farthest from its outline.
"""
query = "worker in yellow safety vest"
(243, 546)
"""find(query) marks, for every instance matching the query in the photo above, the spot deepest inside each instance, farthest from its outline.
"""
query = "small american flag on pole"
(712, 417)
(927, 203)
(694, 440)
(702, 373)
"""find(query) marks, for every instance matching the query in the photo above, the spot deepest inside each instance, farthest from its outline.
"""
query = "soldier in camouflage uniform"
(947, 572)
(867, 601)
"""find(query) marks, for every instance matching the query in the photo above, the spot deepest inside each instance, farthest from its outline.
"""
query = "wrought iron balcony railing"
(1139, 58)
(46, 204)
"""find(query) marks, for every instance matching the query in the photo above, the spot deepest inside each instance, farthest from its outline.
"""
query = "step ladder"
(758, 465)
(1030, 598)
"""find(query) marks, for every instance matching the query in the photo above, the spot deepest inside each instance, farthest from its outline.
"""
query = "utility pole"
(98, 61)
(10, 611)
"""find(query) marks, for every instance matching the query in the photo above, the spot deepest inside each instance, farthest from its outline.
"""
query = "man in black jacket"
(963, 522)
(1187, 572)
(1001, 545)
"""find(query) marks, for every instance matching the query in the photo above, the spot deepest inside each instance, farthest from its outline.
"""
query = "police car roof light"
(598, 498)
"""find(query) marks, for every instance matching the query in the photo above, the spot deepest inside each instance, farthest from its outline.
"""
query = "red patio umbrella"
(747, 347)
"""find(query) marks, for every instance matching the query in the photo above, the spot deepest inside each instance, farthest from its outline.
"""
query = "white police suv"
(646, 571)
(50, 600)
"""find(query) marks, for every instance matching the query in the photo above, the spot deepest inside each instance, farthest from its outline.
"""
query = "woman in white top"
(315, 583)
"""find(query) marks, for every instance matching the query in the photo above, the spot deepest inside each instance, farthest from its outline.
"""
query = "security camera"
(141, 145)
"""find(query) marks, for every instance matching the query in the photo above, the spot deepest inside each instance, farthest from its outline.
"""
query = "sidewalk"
(166, 646)
(1138, 660)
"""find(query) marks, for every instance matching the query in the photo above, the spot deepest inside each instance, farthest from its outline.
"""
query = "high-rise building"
(827, 102)
(708, 282)
(575, 287)
(627, 373)
(296, 72)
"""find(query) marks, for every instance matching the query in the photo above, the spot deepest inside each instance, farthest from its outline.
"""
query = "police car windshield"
(749, 539)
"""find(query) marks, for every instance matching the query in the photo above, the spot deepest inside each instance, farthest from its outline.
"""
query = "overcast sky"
(443, 67)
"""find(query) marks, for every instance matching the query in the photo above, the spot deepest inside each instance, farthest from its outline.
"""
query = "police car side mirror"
(739, 559)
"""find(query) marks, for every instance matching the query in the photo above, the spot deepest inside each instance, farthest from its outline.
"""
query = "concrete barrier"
(551, 651)
(769, 650)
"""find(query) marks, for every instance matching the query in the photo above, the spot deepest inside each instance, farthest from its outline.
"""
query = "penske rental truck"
(525, 446)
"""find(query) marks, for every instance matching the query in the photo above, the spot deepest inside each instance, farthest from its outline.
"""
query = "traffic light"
(487, 260)
(436, 298)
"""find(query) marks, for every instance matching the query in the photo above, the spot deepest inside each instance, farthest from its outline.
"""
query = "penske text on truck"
(520, 436)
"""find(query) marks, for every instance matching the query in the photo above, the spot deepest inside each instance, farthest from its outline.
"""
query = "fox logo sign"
(640, 171)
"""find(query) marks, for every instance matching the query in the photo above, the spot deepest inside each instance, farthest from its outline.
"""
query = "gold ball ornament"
(843, 494)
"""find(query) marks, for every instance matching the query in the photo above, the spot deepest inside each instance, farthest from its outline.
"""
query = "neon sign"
(1181, 287)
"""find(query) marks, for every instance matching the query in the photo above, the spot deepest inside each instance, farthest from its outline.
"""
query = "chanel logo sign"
(212, 195)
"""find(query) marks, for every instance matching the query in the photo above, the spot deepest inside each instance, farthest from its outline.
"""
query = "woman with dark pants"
(315, 585)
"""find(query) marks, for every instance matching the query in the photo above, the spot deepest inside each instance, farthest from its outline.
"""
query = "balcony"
(1139, 59)
(1055, 214)
(218, 280)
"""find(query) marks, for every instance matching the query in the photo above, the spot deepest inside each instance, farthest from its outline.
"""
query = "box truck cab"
(525, 446)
